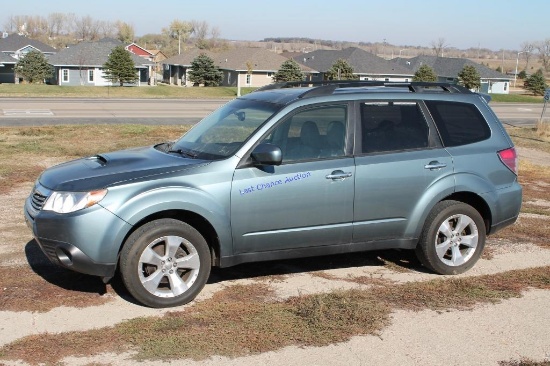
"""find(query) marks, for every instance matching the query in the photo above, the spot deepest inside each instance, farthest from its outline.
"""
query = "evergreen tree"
(469, 77)
(34, 67)
(120, 67)
(522, 74)
(498, 69)
(341, 70)
(204, 71)
(425, 73)
(289, 71)
(536, 83)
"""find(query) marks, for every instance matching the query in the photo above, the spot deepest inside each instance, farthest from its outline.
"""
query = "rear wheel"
(165, 263)
(453, 238)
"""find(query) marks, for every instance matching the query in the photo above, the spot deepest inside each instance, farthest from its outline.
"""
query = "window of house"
(90, 76)
(269, 74)
(393, 126)
(248, 76)
(65, 75)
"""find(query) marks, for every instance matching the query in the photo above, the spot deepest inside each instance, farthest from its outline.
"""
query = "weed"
(245, 319)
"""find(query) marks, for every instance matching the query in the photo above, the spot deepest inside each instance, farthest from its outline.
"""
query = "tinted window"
(392, 126)
(458, 123)
(312, 133)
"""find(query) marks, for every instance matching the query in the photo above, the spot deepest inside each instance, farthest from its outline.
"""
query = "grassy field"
(166, 91)
(159, 91)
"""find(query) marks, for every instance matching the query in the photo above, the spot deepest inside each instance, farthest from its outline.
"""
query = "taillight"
(509, 157)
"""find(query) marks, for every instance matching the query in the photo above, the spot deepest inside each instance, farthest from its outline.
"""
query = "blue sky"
(462, 23)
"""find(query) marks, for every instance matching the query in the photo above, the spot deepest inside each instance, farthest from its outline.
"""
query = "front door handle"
(435, 165)
(338, 175)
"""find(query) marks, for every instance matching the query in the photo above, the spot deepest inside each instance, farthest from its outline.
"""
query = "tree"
(120, 67)
(34, 67)
(527, 49)
(341, 70)
(125, 32)
(498, 69)
(544, 53)
(439, 46)
(522, 74)
(204, 71)
(289, 71)
(536, 83)
(179, 30)
(425, 73)
(469, 77)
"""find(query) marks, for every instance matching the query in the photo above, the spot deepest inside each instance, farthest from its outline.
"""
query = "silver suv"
(287, 171)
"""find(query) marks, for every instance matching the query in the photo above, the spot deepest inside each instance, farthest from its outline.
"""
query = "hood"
(105, 170)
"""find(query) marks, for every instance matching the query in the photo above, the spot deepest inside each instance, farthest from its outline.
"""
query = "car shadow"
(59, 276)
(398, 260)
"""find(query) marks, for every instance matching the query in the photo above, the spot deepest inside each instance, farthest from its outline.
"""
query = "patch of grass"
(21, 289)
(159, 91)
(23, 150)
(245, 319)
(515, 98)
(529, 137)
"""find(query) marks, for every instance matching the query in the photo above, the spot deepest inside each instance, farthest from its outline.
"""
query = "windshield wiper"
(183, 152)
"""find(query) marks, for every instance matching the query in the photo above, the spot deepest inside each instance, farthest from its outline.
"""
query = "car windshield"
(223, 132)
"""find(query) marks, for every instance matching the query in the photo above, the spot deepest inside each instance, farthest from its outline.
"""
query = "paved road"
(42, 111)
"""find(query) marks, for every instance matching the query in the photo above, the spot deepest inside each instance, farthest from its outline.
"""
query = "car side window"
(458, 123)
(392, 126)
(313, 133)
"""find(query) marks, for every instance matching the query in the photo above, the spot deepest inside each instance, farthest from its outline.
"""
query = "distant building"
(448, 68)
(366, 65)
(82, 64)
(245, 67)
(12, 48)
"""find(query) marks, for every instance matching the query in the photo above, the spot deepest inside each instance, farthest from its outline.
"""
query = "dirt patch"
(534, 156)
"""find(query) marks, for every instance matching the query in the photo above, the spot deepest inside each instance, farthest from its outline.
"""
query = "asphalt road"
(42, 111)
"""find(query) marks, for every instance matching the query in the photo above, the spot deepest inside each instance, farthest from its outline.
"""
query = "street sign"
(547, 94)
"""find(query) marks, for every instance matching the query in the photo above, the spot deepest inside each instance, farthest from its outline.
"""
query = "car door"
(399, 159)
(307, 200)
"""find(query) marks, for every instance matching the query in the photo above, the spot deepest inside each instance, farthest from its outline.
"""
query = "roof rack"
(327, 87)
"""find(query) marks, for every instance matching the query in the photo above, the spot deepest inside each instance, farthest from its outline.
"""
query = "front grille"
(37, 200)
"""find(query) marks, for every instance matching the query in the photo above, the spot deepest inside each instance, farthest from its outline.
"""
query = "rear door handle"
(435, 165)
(338, 175)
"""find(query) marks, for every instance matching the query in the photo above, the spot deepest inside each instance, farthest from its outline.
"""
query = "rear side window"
(392, 126)
(458, 123)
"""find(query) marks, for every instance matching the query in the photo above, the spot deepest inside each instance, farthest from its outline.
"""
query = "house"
(448, 68)
(245, 67)
(12, 48)
(366, 65)
(82, 64)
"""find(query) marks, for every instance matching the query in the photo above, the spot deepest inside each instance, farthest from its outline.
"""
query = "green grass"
(515, 98)
(159, 91)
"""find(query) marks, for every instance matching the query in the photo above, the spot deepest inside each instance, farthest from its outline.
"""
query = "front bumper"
(87, 241)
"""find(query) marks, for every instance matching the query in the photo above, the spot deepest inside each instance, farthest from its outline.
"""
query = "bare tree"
(527, 48)
(56, 24)
(86, 28)
(179, 30)
(14, 24)
(438, 46)
(200, 30)
(543, 47)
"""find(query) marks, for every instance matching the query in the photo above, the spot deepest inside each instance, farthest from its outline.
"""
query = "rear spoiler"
(486, 97)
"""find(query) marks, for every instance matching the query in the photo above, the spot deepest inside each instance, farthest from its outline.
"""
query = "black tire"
(153, 267)
(454, 247)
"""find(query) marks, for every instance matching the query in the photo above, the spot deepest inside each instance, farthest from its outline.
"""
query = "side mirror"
(267, 154)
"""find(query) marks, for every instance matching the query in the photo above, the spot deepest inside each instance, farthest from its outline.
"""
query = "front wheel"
(165, 263)
(453, 238)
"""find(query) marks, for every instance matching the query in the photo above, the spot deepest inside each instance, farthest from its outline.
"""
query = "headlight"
(65, 202)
